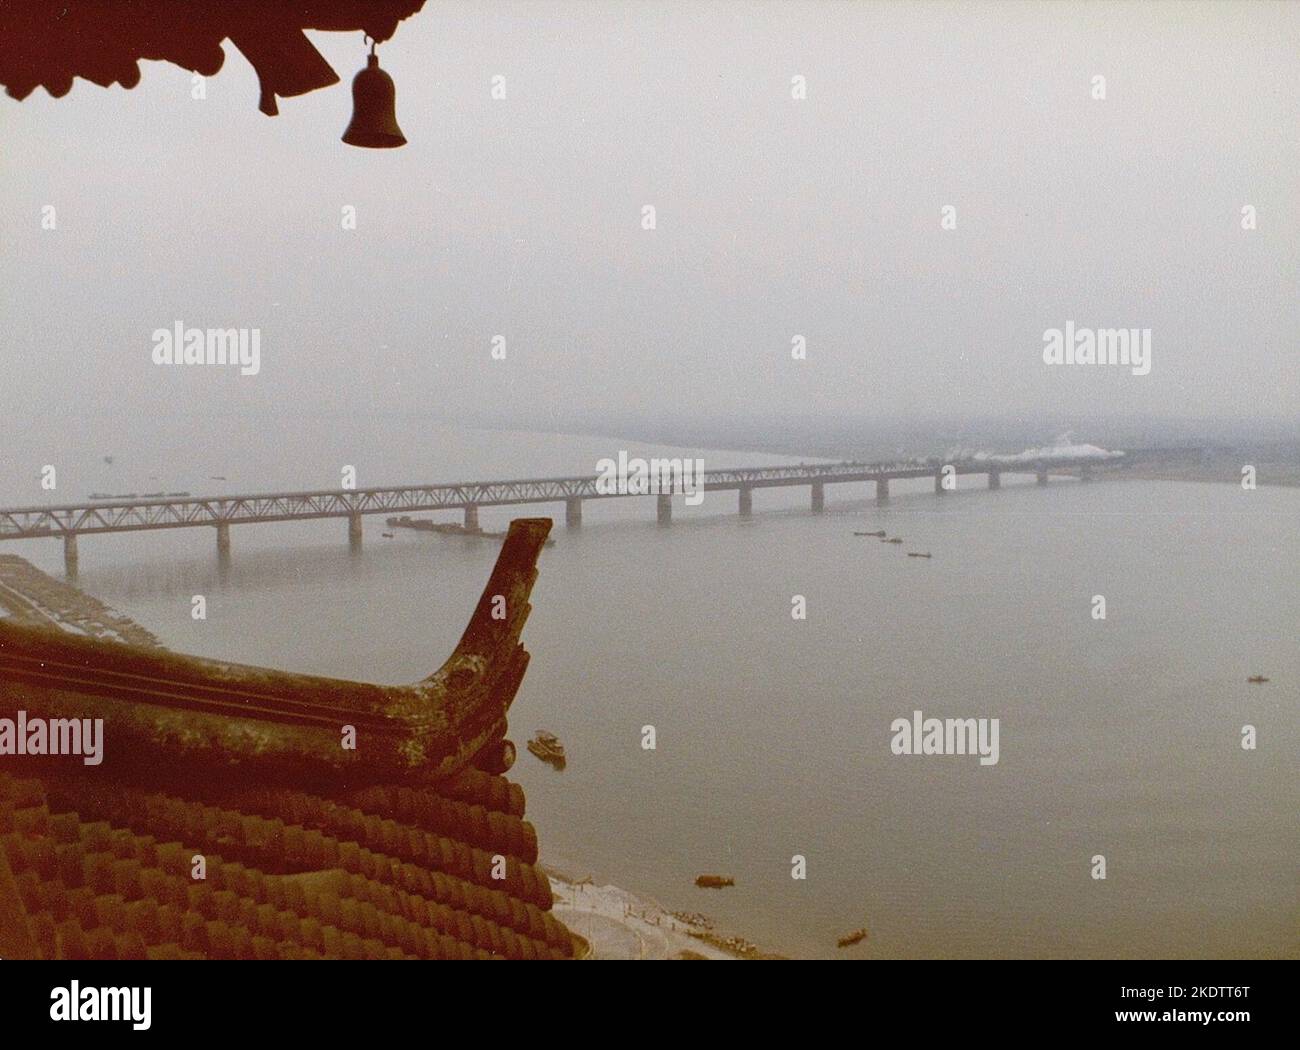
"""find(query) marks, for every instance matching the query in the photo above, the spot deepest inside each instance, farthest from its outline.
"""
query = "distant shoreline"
(1280, 475)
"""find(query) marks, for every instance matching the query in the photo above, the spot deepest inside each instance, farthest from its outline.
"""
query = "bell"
(374, 109)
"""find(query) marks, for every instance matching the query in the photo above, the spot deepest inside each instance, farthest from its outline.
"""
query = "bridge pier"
(573, 513)
(223, 540)
(471, 518)
(818, 497)
(1042, 477)
(70, 554)
(995, 479)
(882, 489)
(746, 501)
(665, 508)
(354, 532)
(1085, 474)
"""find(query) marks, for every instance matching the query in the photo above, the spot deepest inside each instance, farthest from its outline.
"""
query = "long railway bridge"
(129, 514)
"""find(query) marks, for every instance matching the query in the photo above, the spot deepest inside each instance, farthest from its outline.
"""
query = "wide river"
(1119, 738)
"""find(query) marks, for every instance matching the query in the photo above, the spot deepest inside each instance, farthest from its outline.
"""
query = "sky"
(776, 217)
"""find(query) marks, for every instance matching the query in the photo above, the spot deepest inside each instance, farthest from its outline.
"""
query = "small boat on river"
(546, 746)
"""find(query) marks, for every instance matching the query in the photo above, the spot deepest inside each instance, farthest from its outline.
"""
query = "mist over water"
(1118, 737)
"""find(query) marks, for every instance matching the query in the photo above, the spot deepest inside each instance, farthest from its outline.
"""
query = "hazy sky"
(775, 217)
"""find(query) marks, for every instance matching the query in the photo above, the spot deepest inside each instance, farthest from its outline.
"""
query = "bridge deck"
(133, 515)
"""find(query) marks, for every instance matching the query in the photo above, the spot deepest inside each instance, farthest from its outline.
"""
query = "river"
(1119, 738)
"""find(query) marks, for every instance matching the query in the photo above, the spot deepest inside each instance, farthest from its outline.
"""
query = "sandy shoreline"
(617, 924)
(31, 597)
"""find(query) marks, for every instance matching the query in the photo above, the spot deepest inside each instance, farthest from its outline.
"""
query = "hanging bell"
(374, 109)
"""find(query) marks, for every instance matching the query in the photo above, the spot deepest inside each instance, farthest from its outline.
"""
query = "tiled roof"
(415, 848)
(106, 871)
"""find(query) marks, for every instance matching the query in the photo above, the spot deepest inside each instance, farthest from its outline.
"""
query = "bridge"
(129, 514)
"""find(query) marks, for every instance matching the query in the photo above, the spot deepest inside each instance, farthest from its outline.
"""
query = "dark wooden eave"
(49, 43)
(168, 709)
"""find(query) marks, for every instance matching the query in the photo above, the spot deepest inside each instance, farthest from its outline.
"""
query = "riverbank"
(31, 597)
(616, 924)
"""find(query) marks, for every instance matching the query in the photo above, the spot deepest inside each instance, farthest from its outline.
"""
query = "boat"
(547, 747)
(276, 726)
(714, 882)
(428, 525)
(896, 539)
(881, 534)
(446, 528)
(917, 554)
(388, 535)
(850, 939)
(1257, 679)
